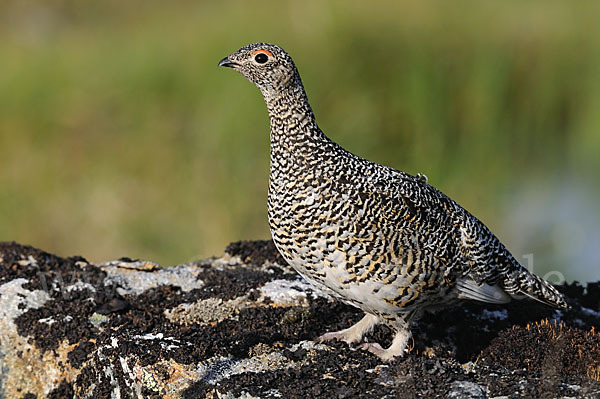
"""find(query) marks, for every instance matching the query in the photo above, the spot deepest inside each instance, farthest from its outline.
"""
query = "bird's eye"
(261, 58)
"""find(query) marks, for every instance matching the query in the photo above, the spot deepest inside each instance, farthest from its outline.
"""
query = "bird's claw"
(337, 335)
(384, 354)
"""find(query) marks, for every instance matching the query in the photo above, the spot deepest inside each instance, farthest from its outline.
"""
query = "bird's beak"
(225, 62)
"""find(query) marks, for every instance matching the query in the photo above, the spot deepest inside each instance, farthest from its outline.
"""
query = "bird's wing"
(461, 241)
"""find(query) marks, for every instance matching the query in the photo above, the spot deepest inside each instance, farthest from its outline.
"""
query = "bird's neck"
(294, 131)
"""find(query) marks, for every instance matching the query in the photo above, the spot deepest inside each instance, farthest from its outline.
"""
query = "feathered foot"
(396, 349)
(354, 333)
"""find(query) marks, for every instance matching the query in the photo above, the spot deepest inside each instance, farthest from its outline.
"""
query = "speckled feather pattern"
(382, 240)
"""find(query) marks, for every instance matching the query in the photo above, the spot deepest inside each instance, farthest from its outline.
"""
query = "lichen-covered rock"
(241, 326)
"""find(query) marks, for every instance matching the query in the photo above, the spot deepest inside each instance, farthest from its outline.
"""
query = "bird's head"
(268, 66)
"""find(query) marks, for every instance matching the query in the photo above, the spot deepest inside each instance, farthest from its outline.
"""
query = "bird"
(374, 237)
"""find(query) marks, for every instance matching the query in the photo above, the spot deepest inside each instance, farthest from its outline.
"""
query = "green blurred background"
(119, 136)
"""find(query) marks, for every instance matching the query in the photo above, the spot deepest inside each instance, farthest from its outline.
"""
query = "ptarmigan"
(374, 237)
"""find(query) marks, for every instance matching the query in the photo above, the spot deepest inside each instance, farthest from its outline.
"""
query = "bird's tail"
(532, 286)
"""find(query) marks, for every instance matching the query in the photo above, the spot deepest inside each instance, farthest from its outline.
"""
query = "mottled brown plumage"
(377, 238)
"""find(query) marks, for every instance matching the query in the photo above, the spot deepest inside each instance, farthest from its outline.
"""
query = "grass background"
(119, 136)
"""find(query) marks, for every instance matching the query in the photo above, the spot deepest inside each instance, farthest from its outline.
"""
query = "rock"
(241, 326)
(466, 390)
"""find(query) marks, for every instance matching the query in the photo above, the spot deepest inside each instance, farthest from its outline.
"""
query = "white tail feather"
(469, 289)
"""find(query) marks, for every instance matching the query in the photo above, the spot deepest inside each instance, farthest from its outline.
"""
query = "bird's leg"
(354, 333)
(397, 347)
